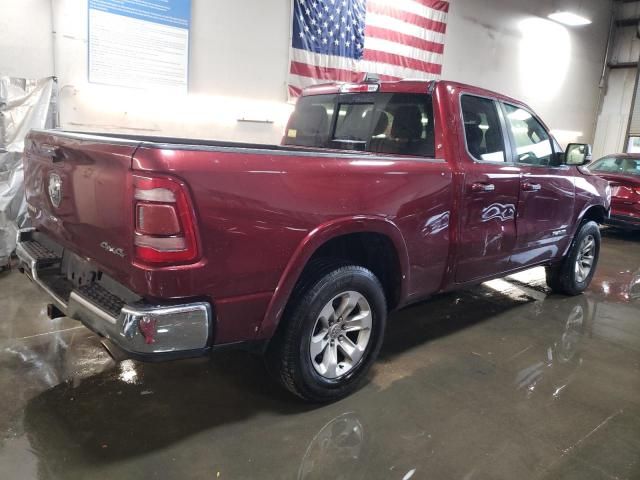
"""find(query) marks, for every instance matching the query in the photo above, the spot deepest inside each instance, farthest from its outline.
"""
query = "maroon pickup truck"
(381, 195)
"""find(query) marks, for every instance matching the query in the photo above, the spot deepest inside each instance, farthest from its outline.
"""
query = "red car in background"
(623, 173)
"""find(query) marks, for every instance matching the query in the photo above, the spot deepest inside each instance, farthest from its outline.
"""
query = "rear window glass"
(399, 124)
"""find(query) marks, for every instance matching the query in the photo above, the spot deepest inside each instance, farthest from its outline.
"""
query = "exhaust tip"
(54, 312)
(116, 353)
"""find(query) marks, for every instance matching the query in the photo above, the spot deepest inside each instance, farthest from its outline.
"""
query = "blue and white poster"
(140, 43)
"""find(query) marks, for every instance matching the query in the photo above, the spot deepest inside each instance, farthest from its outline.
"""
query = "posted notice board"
(140, 43)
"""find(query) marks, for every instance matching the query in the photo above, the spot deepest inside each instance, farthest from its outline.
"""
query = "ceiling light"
(569, 18)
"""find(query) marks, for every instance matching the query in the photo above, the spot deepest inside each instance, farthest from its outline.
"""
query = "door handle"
(531, 187)
(480, 187)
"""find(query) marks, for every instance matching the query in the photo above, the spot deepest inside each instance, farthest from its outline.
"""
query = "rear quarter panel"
(262, 212)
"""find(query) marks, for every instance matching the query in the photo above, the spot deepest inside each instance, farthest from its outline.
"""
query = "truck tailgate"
(77, 192)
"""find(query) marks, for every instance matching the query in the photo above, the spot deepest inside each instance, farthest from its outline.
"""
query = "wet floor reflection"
(499, 381)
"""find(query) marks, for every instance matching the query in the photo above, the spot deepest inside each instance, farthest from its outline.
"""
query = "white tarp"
(24, 104)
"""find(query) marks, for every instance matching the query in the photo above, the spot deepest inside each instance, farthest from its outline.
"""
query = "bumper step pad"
(104, 299)
(40, 253)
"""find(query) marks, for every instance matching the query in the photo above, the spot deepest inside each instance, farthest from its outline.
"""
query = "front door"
(545, 204)
(490, 195)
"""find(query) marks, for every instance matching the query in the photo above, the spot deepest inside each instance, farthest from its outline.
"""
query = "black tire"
(288, 356)
(563, 278)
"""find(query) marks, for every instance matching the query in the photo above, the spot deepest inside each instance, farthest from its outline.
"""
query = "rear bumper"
(141, 331)
(625, 221)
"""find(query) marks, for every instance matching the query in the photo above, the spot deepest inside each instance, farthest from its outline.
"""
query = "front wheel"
(332, 333)
(574, 274)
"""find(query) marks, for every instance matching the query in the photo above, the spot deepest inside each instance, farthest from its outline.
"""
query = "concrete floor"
(501, 381)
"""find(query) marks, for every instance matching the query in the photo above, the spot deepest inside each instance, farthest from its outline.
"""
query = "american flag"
(339, 40)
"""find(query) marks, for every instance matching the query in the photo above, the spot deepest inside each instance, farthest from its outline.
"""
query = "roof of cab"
(408, 86)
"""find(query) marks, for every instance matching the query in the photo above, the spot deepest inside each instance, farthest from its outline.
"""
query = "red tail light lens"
(165, 230)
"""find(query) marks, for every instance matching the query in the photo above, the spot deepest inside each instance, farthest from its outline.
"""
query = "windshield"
(624, 166)
(397, 123)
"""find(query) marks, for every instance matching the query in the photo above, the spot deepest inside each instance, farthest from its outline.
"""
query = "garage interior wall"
(239, 61)
(620, 82)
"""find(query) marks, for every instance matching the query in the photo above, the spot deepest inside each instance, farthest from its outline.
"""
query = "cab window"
(385, 123)
(532, 142)
(482, 129)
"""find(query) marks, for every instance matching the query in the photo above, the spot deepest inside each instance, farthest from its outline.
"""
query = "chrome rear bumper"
(148, 332)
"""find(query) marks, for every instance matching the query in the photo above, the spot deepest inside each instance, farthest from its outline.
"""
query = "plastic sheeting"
(24, 104)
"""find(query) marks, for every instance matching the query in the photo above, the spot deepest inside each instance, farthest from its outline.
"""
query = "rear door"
(490, 194)
(547, 191)
(77, 192)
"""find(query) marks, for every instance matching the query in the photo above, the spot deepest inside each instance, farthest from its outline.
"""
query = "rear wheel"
(332, 333)
(574, 274)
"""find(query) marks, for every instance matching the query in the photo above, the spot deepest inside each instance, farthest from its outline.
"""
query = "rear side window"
(482, 129)
(398, 124)
(532, 142)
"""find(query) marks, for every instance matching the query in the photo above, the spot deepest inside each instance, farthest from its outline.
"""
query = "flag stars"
(336, 42)
(324, 41)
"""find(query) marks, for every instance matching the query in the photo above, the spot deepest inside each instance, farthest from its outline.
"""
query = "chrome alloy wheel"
(585, 258)
(340, 335)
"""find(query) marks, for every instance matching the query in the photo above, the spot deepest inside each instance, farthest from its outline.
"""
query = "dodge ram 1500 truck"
(381, 195)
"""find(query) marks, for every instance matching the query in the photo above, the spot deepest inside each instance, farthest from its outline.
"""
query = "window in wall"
(482, 128)
(634, 145)
(532, 142)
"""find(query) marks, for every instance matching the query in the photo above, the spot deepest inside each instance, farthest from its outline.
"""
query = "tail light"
(165, 230)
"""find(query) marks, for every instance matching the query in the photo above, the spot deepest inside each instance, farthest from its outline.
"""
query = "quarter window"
(532, 142)
(483, 132)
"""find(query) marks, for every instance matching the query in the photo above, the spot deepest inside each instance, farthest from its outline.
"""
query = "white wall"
(510, 46)
(239, 63)
(26, 44)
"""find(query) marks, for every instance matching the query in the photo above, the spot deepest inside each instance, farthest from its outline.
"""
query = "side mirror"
(578, 154)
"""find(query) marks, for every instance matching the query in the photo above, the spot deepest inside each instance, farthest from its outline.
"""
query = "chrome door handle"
(531, 187)
(480, 187)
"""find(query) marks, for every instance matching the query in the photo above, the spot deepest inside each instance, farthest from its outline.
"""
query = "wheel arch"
(596, 212)
(325, 238)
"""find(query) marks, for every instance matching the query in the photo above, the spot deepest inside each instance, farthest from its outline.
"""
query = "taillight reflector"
(165, 231)
(157, 219)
